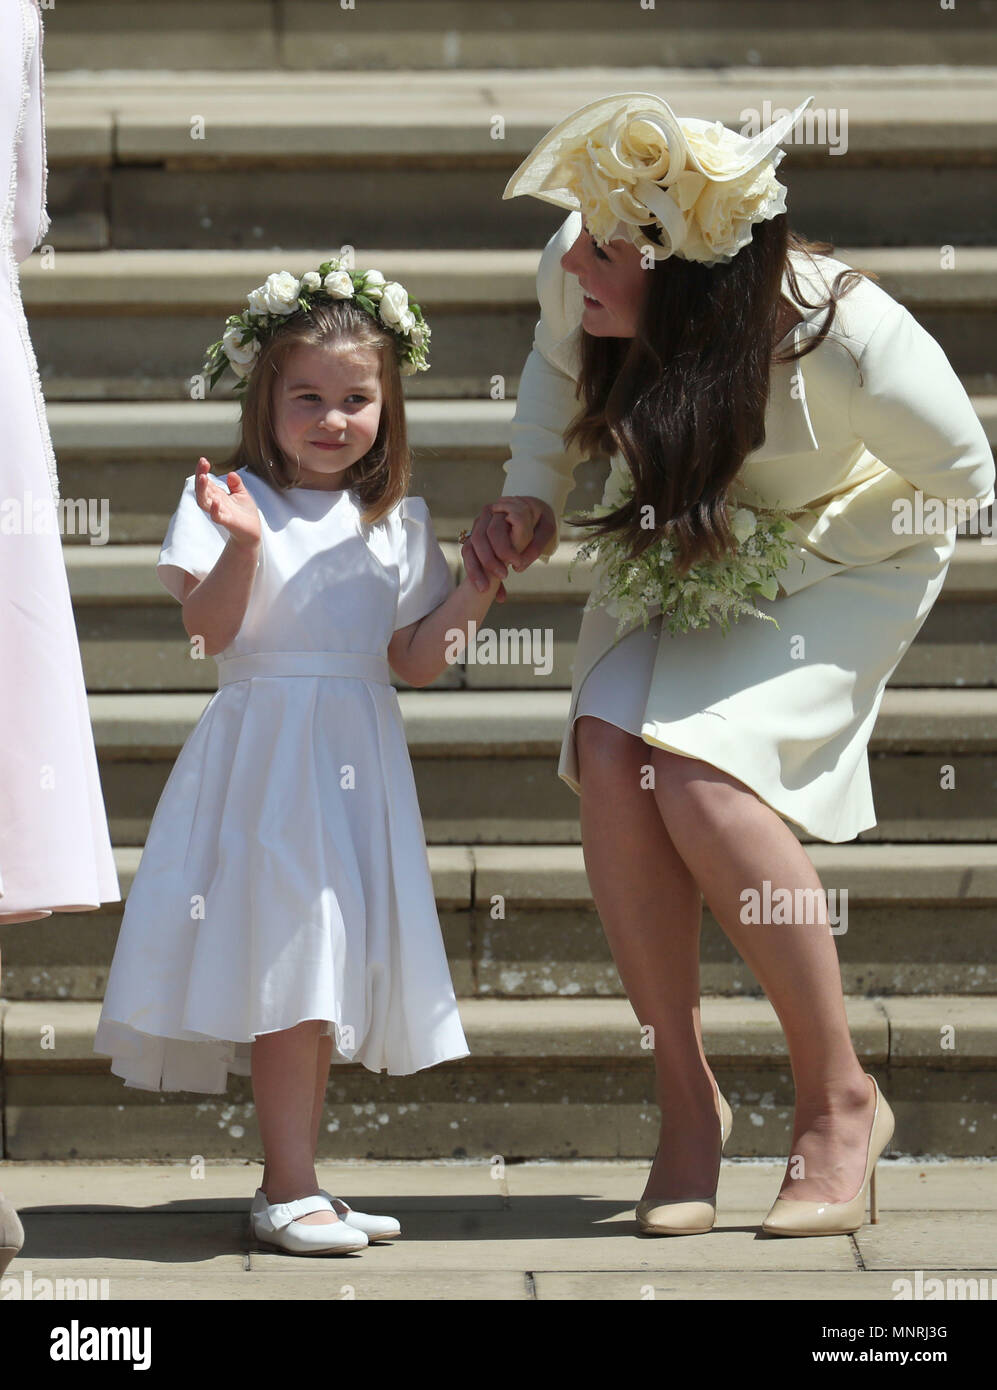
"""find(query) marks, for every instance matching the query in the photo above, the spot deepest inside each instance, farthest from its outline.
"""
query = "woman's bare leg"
(651, 907)
(285, 1067)
(731, 841)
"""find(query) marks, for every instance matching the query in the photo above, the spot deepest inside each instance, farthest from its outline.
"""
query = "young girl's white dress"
(284, 876)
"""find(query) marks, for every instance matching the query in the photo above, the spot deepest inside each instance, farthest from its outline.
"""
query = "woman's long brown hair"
(381, 478)
(684, 400)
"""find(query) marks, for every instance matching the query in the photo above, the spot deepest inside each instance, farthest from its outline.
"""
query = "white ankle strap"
(285, 1212)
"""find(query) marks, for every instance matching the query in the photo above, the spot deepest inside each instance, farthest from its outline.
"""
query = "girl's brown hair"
(684, 400)
(381, 478)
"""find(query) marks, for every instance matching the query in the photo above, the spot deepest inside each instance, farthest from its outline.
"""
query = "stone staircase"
(195, 148)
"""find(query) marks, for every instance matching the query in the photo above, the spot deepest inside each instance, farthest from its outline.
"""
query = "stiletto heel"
(685, 1218)
(791, 1218)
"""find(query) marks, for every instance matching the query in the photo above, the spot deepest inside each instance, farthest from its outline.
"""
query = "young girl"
(283, 913)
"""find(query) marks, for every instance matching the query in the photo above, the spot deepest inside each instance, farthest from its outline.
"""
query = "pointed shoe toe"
(683, 1217)
(791, 1218)
(656, 1218)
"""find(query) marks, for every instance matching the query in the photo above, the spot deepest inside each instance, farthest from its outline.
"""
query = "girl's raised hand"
(235, 509)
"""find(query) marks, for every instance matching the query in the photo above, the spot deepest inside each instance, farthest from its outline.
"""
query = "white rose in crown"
(338, 284)
(240, 355)
(743, 524)
(373, 284)
(394, 304)
(311, 280)
(277, 295)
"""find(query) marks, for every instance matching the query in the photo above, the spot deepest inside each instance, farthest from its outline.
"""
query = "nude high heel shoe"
(791, 1218)
(11, 1233)
(685, 1218)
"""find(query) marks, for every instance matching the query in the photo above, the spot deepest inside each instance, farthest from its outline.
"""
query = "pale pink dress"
(55, 851)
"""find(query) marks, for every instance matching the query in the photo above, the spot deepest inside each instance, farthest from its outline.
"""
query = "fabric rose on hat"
(620, 173)
(724, 213)
(593, 191)
(716, 148)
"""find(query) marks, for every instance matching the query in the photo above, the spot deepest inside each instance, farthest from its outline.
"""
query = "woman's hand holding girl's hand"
(235, 509)
(511, 531)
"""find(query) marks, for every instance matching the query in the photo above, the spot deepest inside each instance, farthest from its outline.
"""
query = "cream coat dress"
(870, 417)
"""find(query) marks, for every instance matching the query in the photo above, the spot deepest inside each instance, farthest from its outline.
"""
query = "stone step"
(127, 172)
(546, 1078)
(528, 34)
(135, 324)
(132, 636)
(519, 922)
(139, 452)
(456, 736)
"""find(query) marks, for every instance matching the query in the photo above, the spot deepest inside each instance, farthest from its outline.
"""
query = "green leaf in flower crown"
(366, 303)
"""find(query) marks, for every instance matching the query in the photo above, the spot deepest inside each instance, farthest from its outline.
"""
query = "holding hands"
(511, 531)
(235, 509)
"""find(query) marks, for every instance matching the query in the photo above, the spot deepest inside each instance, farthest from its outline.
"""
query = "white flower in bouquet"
(712, 591)
(743, 523)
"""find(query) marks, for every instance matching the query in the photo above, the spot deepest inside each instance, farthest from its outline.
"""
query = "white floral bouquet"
(712, 591)
(283, 294)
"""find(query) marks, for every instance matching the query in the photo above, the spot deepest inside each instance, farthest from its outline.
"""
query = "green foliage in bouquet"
(712, 591)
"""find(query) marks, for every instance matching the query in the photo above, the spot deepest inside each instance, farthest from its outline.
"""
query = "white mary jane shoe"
(373, 1227)
(278, 1224)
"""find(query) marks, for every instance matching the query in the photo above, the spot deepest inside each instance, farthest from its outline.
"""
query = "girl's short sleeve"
(425, 579)
(193, 542)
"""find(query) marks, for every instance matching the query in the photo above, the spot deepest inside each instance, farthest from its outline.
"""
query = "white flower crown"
(283, 294)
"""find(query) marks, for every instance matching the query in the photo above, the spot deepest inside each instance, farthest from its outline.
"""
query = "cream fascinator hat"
(627, 161)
